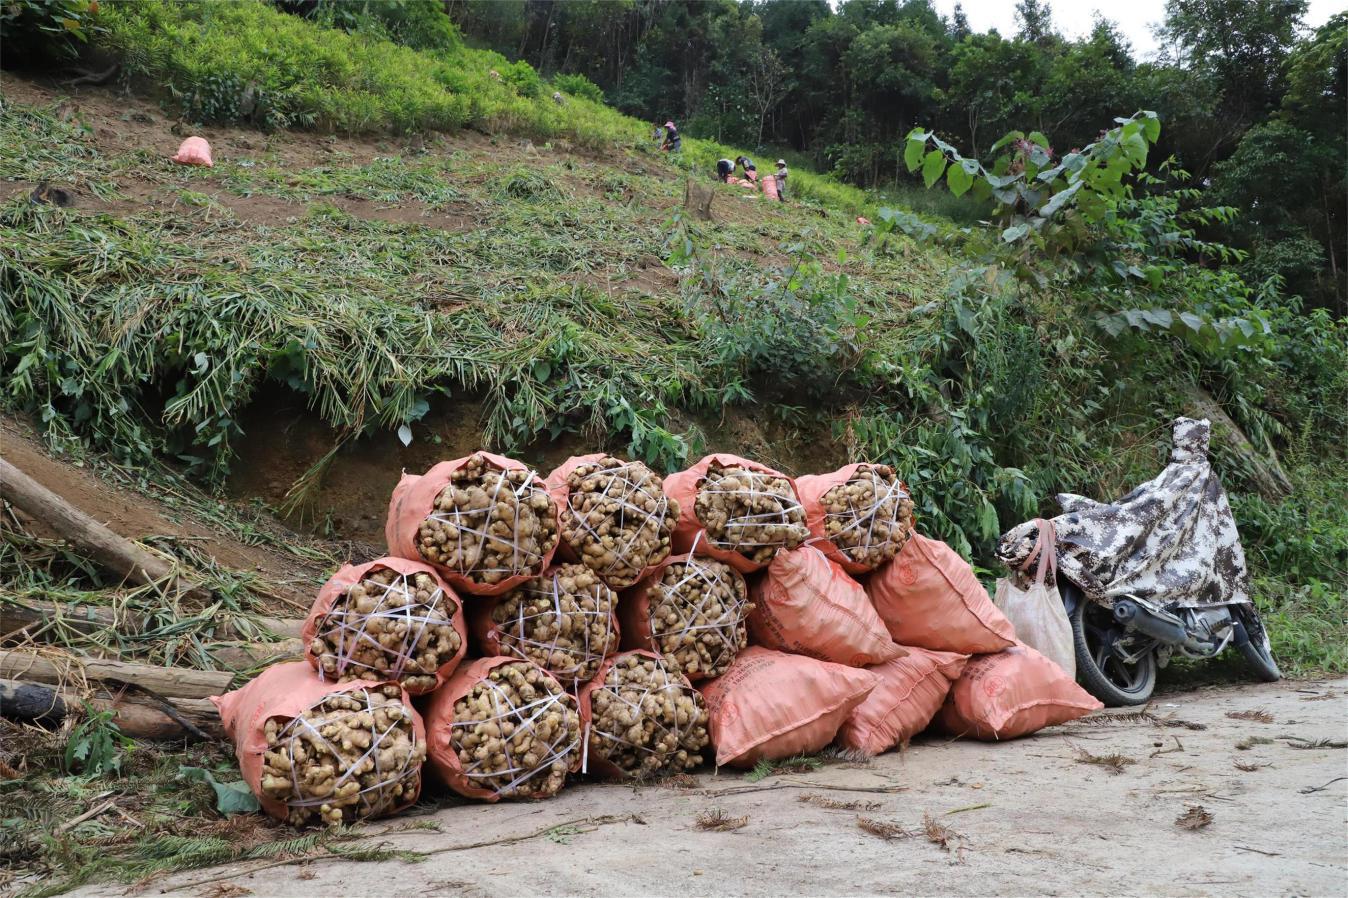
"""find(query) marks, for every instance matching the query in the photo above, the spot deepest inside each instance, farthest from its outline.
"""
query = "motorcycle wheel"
(1255, 647)
(1103, 674)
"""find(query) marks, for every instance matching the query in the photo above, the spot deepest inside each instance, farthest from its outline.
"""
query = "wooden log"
(15, 616)
(170, 682)
(131, 713)
(31, 703)
(89, 537)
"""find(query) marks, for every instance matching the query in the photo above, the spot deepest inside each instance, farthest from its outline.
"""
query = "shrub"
(36, 31)
(579, 86)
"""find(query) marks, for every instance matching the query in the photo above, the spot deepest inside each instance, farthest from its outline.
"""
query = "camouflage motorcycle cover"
(1171, 540)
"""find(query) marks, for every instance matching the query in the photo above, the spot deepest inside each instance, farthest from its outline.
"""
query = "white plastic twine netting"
(351, 756)
(870, 517)
(697, 613)
(561, 621)
(388, 626)
(488, 524)
(618, 519)
(749, 512)
(645, 720)
(516, 732)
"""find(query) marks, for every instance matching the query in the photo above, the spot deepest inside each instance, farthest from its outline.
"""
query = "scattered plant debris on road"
(717, 820)
(1195, 817)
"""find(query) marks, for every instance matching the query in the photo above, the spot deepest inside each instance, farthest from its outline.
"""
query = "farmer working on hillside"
(780, 176)
(750, 170)
(724, 168)
(673, 143)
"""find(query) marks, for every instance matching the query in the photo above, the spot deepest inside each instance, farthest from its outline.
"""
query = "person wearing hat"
(673, 143)
(780, 175)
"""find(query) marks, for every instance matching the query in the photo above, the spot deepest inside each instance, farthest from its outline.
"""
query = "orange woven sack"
(813, 487)
(908, 693)
(414, 501)
(397, 606)
(1013, 693)
(627, 566)
(575, 637)
(806, 604)
(774, 705)
(722, 640)
(929, 597)
(559, 757)
(690, 735)
(194, 151)
(282, 692)
(690, 535)
(769, 185)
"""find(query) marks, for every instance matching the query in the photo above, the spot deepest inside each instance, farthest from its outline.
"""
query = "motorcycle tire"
(1141, 681)
(1255, 647)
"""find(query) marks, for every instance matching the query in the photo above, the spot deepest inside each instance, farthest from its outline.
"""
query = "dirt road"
(1028, 817)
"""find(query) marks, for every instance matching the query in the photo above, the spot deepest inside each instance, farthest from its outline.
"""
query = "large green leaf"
(933, 164)
(912, 151)
(958, 179)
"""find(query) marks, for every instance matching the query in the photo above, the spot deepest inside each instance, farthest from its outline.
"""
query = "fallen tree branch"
(191, 718)
(115, 553)
(30, 667)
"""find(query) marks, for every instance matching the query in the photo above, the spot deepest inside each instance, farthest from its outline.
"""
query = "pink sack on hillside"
(908, 693)
(426, 626)
(860, 515)
(806, 604)
(499, 552)
(1013, 693)
(769, 185)
(774, 705)
(862, 220)
(929, 597)
(194, 151)
(617, 521)
(758, 535)
(283, 692)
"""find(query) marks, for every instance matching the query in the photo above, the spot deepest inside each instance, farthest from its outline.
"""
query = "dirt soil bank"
(1031, 819)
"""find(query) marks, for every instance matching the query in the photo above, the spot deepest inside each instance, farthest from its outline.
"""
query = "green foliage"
(767, 767)
(578, 86)
(96, 745)
(247, 61)
(793, 332)
(419, 24)
(35, 31)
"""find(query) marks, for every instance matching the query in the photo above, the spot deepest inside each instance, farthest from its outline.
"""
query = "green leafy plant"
(96, 745)
(33, 28)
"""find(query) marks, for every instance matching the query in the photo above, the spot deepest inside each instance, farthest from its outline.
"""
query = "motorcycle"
(1157, 573)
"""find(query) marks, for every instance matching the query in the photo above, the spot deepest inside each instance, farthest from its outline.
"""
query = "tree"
(766, 82)
(1036, 22)
(959, 24)
(1242, 45)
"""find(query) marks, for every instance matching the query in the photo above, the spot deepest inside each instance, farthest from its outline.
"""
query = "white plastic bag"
(1037, 613)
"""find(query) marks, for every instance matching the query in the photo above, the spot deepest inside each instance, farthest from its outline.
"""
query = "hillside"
(522, 257)
(378, 287)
